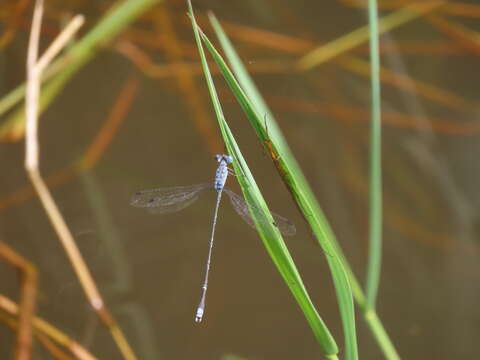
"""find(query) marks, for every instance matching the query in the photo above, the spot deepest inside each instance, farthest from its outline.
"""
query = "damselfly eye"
(229, 159)
(218, 157)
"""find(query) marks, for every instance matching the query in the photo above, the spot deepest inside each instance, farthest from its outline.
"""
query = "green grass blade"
(348, 41)
(291, 174)
(11, 99)
(375, 236)
(269, 234)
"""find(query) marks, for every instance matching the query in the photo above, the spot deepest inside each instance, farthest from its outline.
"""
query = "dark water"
(150, 268)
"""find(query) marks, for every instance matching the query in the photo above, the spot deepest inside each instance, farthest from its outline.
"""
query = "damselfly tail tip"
(199, 315)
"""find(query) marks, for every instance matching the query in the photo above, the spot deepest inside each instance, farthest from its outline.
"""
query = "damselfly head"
(227, 158)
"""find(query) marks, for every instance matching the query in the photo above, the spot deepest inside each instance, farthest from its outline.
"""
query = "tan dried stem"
(28, 296)
(35, 68)
(45, 328)
(47, 343)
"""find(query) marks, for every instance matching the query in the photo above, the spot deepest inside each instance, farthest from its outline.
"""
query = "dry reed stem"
(35, 67)
(347, 113)
(48, 344)
(51, 347)
(28, 291)
(460, 34)
(408, 84)
(116, 116)
(451, 8)
(49, 330)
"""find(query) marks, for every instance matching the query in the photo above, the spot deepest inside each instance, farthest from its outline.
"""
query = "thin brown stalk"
(408, 84)
(49, 330)
(460, 34)
(28, 296)
(51, 347)
(48, 344)
(161, 71)
(186, 82)
(35, 67)
(451, 8)
(116, 116)
(350, 114)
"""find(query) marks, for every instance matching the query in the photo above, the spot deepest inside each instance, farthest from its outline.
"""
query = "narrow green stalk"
(375, 236)
(376, 327)
(12, 98)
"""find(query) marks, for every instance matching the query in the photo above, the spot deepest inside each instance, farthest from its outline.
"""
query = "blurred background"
(138, 116)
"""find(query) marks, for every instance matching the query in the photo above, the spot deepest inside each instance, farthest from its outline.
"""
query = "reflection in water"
(116, 269)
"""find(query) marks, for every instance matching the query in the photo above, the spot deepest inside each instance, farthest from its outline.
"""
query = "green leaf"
(269, 233)
(254, 107)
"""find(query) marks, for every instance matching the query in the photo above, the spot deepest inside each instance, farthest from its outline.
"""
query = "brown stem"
(28, 295)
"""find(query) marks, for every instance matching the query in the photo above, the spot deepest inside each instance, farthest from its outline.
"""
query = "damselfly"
(164, 200)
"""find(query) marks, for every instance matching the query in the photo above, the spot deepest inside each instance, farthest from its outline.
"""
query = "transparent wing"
(165, 200)
(285, 226)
